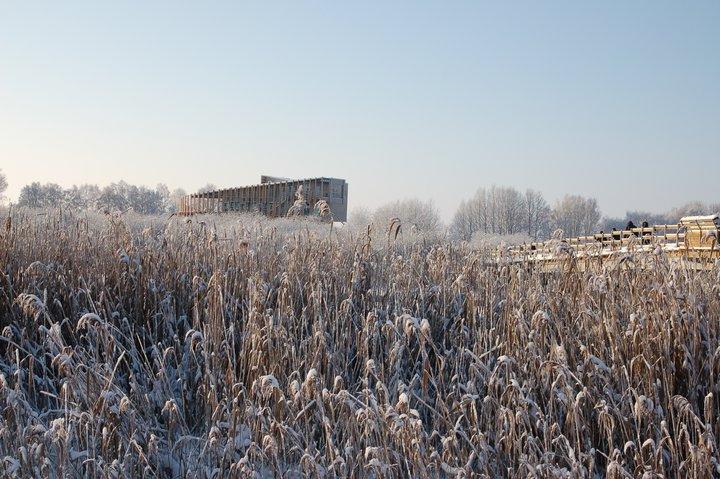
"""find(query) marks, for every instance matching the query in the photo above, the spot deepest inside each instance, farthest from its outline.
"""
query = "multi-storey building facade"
(272, 197)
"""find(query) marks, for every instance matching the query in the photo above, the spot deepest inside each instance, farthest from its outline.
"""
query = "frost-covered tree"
(207, 188)
(461, 226)
(36, 195)
(73, 199)
(141, 199)
(508, 207)
(692, 208)
(164, 192)
(637, 217)
(472, 216)
(360, 216)
(173, 203)
(501, 210)
(3, 185)
(576, 215)
(119, 196)
(414, 214)
(537, 214)
(145, 201)
(114, 197)
(83, 197)
(31, 195)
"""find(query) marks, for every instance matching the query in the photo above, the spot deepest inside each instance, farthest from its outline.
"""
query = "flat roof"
(323, 178)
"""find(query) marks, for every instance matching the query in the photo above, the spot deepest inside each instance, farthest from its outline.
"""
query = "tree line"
(504, 211)
(692, 208)
(507, 211)
(493, 211)
(119, 196)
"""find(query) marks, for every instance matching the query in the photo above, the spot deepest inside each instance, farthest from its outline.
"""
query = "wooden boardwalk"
(693, 241)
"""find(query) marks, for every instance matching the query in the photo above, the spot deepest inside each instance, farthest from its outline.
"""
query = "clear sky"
(617, 100)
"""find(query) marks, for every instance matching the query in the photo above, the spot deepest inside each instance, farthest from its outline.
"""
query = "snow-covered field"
(238, 345)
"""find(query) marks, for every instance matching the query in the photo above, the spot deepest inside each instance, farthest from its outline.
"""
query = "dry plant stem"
(240, 346)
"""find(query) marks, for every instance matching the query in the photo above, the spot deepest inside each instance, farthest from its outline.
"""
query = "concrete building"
(272, 197)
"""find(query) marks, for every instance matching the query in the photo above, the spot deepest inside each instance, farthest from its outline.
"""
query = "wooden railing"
(691, 234)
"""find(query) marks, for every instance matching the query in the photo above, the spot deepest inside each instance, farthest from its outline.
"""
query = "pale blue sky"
(618, 100)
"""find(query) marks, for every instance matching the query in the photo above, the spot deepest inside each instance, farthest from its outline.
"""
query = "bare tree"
(537, 214)
(692, 208)
(114, 197)
(472, 216)
(118, 196)
(576, 215)
(3, 185)
(163, 193)
(637, 217)
(501, 211)
(462, 225)
(509, 214)
(207, 188)
(145, 201)
(36, 195)
(81, 197)
(360, 216)
(174, 201)
(414, 214)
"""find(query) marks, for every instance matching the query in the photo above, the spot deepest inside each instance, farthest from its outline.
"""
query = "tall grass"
(242, 346)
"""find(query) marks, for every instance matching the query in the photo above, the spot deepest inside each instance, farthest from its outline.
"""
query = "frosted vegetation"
(239, 346)
(506, 212)
(116, 197)
(492, 215)
(3, 186)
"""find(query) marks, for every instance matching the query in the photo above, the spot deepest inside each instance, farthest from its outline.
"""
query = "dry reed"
(209, 348)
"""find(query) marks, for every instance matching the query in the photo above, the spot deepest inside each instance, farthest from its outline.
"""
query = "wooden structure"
(693, 241)
(272, 197)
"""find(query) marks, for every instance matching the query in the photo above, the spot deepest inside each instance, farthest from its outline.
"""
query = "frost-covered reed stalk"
(225, 347)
